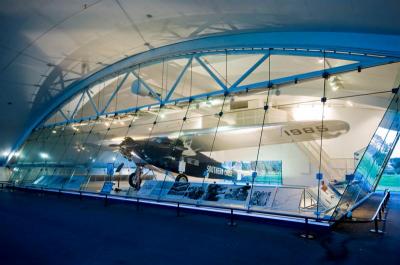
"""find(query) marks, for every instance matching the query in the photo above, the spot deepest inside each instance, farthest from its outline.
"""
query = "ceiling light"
(54, 131)
(335, 83)
(44, 155)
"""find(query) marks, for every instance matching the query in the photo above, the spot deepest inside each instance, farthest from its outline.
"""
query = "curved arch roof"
(46, 45)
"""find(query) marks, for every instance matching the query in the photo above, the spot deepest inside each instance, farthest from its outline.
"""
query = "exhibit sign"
(267, 171)
(107, 187)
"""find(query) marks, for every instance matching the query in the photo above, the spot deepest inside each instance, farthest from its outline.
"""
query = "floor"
(367, 209)
(50, 229)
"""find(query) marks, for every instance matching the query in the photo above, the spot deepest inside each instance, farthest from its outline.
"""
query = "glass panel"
(132, 94)
(260, 74)
(98, 155)
(259, 149)
(102, 92)
(202, 82)
(56, 117)
(232, 65)
(391, 176)
(153, 78)
(289, 65)
(290, 147)
(86, 108)
(71, 107)
(372, 162)
(228, 176)
(375, 80)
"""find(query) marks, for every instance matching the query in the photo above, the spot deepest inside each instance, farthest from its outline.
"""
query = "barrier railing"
(232, 212)
(377, 217)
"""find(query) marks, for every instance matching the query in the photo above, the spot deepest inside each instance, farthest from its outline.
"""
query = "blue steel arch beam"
(365, 61)
(119, 85)
(92, 103)
(211, 73)
(279, 82)
(178, 80)
(336, 42)
(146, 86)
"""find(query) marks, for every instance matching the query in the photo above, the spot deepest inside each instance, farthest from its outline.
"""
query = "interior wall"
(296, 166)
(4, 174)
(363, 123)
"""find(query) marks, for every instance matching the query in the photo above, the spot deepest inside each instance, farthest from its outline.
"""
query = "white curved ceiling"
(47, 44)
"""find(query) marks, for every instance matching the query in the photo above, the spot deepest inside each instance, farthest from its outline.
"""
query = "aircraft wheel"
(181, 178)
(132, 180)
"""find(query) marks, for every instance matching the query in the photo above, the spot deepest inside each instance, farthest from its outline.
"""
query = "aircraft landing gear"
(132, 179)
(181, 178)
(135, 179)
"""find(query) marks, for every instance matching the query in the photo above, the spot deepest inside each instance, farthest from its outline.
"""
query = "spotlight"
(44, 155)
(335, 83)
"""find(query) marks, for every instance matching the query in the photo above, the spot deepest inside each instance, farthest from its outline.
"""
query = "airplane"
(188, 152)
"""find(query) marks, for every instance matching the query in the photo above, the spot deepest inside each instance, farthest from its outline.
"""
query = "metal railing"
(232, 212)
(377, 217)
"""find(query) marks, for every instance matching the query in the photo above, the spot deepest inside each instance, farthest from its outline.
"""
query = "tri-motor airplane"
(190, 154)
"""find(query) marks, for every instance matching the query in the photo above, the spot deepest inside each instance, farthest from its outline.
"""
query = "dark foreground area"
(47, 229)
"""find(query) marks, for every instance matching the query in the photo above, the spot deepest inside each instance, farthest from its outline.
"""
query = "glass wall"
(373, 161)
(207, 131)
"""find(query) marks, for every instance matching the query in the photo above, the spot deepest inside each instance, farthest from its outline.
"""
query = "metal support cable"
(220, 114)
(181, 128)
(84, 142)
(262, 128)
(341, 201)
(100, 145)
(41, 131)
(323, 99)
(51, 149)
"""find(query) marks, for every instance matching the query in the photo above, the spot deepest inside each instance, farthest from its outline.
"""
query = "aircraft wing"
(234, 137)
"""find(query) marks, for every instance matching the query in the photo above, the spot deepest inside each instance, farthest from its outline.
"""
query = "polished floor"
(48, 229)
